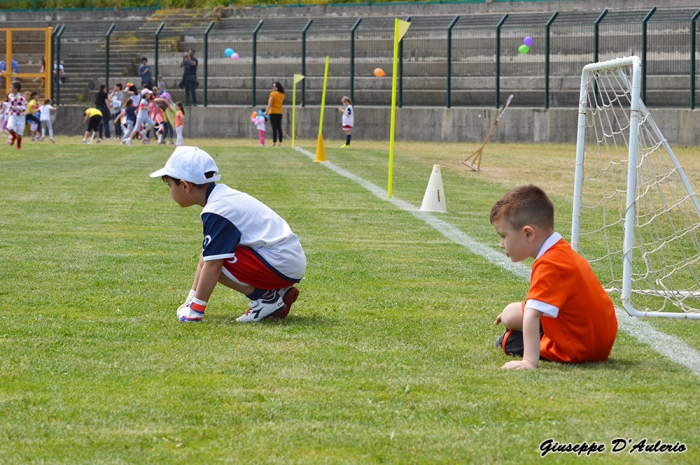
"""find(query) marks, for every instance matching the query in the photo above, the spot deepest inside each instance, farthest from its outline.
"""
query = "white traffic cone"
(434, 198)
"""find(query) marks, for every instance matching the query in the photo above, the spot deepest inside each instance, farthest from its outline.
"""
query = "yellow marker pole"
(297, 78)
(400, 28)
(320, 150)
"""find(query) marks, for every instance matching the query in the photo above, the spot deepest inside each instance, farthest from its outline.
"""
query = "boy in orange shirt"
(567, 317)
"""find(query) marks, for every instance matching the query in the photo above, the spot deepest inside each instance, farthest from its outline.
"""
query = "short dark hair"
(524, 205)
(208, 174)
(33, 94)
(17, 85)
(144, 59)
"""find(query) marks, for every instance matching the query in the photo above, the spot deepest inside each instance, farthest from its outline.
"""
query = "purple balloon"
(528, 41)
(234, 57)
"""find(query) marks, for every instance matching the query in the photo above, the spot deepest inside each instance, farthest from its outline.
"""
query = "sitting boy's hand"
(518, 365)
(498, 319)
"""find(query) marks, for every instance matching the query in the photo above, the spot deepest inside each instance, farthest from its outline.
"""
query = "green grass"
(387, 356)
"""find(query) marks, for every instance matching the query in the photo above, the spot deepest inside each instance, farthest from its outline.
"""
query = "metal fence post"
(255, 52)
(596, 34)
(52, 61)
(206, 61)
(546, 58)
(644, 52)
(303, 61)
(448, 84)
(498, 59)
(157, 46)
(58, 64)
(352, 59)
(692, 59)
(109, 33)
(399, 102)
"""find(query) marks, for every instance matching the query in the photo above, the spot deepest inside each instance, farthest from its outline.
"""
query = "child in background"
(142, 118)
(179, 122)
(348, 120)
(161, 86)
(567, 317)
(258, 120)
(4, 116)
(31, 118)
(247, 246)
(46, 120)
(17, 112)
(93, 118)
(127, 119)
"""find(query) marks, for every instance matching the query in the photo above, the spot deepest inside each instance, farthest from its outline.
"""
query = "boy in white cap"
(247, 246)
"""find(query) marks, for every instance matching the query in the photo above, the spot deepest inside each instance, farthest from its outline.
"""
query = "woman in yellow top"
(93, 118)
(274, 109)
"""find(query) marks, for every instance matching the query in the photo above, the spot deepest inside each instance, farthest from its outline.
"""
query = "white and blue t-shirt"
(348, 116)
(232, 218)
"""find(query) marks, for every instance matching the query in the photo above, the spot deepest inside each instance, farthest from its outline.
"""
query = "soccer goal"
(635, 215)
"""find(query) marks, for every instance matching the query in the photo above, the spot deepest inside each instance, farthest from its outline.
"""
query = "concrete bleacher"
(424, 67)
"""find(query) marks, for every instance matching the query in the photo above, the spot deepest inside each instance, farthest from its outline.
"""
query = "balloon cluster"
(525, 47)
(231, 54)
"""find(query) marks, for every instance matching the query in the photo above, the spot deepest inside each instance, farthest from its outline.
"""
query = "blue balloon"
(228, 52)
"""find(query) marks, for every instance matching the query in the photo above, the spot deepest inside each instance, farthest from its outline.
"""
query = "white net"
(664, 259)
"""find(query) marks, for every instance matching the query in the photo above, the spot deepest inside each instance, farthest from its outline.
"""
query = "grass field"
(387, 356)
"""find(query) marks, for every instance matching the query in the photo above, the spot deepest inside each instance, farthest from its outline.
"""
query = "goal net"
(635, 216)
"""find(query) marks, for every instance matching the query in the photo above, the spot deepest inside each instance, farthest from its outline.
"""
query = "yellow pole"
(8, 64)
(400, 28)
(297, 78)
(48, 64)
(320, 150)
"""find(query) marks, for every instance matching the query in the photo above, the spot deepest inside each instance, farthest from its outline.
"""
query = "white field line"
(667, 345)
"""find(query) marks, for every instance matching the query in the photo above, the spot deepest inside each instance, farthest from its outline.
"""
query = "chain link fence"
(468, 60)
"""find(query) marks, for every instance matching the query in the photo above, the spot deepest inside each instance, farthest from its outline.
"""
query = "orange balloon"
(379, 72)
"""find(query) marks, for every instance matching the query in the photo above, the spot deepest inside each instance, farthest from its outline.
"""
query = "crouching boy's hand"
(531, 342)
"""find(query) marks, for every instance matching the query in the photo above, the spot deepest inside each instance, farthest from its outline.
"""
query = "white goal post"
(635, 216)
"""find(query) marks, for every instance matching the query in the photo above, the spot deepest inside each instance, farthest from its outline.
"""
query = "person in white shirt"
(247, 246)
(45, 119)
(348, 120)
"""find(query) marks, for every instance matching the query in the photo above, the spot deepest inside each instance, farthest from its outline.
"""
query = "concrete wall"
(428, 124)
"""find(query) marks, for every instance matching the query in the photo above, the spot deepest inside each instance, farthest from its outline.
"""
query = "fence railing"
(465, 60)
(41, 5)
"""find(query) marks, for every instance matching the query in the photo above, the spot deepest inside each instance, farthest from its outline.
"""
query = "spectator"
(189, 77)
(161, 86)
(116, 99)
(101, 98)
(274, 109)
(145, 72)
(3, 67)
(3, 71)
(59, 73)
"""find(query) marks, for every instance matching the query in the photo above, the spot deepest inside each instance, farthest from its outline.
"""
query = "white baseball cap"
(189, 164)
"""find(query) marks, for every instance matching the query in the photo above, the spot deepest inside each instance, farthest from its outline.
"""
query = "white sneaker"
(187, 315)
(98, 141)
(83, 141)
(265, 307)
(129, 142)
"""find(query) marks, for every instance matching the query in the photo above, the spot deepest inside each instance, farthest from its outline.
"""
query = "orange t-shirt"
(277, 99)
(585, 327)
(179, 119)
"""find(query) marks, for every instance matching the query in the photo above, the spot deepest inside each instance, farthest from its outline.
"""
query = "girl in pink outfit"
(258, 120)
